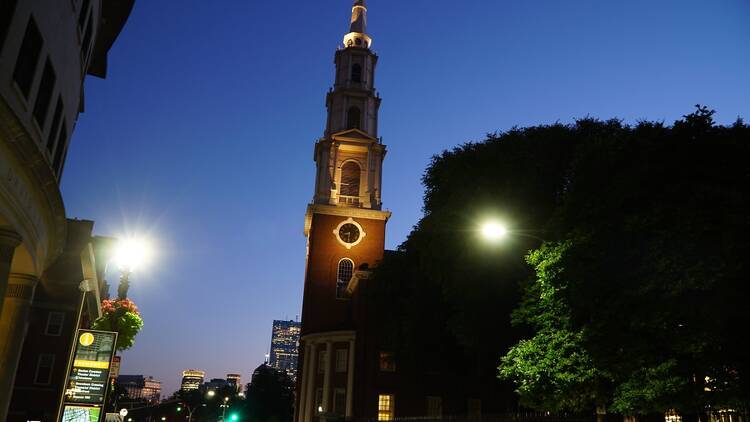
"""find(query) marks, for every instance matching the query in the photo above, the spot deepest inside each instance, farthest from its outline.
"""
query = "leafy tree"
(635, 301)
(269, 397)
(552, 370)
(651, 264)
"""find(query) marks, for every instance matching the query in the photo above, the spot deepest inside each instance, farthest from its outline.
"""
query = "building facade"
(345, 230)
(235, 380)
(47, 48)
(192, 379)
(284, 347)
(140, 387)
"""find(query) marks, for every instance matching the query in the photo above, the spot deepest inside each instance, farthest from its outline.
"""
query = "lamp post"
(224, 411)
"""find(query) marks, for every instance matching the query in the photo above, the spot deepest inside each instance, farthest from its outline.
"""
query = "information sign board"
(87, 381)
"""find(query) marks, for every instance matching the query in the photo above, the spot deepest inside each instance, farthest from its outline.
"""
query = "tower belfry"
(345, 230)
(349, 156)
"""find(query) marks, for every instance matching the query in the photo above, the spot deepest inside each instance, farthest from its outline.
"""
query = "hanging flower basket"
(122, 316)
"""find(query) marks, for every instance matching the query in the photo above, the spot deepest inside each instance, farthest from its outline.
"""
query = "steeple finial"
(357, 36)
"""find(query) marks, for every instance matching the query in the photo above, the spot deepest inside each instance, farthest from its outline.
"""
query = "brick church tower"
(345, 230)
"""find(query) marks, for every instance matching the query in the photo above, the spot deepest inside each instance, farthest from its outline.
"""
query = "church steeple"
(357, 36)
(350, 154)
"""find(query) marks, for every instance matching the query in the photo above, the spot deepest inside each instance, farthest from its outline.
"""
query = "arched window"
(356, 72)
(353, 117)
(344, 276)
(350, 179)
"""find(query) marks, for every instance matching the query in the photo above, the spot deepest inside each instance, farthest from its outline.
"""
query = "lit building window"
(341, 360)
(386, 407)
(672, 416)
(344, 276)
(387, 362)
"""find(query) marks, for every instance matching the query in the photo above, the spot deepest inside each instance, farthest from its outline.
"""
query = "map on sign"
(81, 414)
(89, 374)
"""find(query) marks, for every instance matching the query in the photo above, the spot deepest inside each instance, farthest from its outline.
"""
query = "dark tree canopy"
(637, 299)
(269, 397)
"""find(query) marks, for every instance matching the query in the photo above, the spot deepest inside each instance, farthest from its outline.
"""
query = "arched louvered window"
(356, 72)
(350, 179)
(353, 118)
(344, 276)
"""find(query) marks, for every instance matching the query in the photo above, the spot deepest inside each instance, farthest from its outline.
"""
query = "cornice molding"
(342, 212)
(317, 338)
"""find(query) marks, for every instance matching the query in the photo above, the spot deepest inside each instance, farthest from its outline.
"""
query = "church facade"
(340, 366)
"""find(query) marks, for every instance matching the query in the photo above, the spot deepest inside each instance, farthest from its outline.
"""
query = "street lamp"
(494, 231)
(224, 411)
(130, 255)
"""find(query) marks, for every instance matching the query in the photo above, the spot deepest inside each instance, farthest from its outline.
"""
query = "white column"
(327, 376)
(14, 322)
(350, 380)
(302, 383)
(310, 394)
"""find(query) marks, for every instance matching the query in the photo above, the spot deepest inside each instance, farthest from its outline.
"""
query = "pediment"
(353, 134)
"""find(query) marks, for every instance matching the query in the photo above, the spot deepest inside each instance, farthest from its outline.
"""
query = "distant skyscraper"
(284, 344)
(234, 379)
(192, 379)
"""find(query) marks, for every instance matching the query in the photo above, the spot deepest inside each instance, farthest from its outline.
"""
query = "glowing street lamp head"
(211, 393)
(493, 231)
(132, 253)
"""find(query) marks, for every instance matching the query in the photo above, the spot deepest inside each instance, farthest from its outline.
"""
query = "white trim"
(362, 233)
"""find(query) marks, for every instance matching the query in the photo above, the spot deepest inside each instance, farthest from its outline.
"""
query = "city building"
(140, 387)
(235, 380)
(192, 379)
(46, 49)
(216, 384)
(284, 346)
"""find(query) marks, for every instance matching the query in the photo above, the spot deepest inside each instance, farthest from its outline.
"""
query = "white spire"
(357, 36)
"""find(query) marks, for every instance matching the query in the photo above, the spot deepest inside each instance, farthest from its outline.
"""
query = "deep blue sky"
(202, 134)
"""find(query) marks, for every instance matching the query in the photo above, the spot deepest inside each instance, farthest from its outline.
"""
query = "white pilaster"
(310, 395)
(327, 376)
(14, 323)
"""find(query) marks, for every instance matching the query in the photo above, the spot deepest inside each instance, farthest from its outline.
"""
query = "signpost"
(88, 376)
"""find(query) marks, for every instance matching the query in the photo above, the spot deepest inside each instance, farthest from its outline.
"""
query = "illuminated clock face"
(349, 233)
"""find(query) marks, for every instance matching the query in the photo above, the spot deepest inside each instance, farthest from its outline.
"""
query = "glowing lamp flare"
(132, 254)
(494, 231)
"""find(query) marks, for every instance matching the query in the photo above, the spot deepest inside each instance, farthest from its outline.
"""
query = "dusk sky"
(202, 135)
